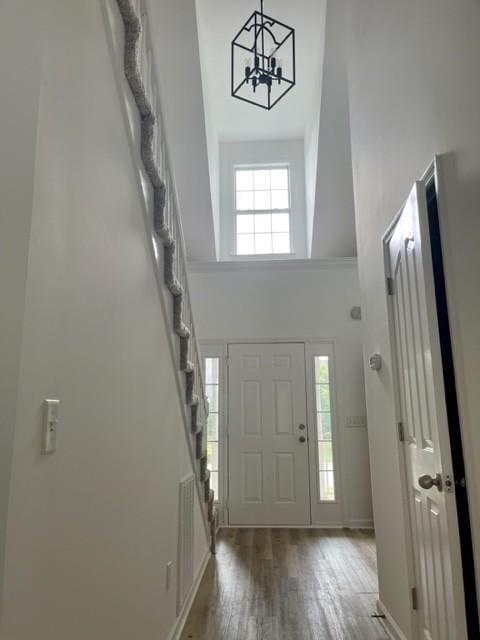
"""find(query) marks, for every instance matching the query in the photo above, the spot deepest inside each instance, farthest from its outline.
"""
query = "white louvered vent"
(185, 539)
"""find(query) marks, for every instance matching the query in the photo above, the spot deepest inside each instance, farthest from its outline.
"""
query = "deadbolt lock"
(301, 427)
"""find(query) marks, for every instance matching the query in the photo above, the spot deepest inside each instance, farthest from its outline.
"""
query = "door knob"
(427, 482)
(302, 439)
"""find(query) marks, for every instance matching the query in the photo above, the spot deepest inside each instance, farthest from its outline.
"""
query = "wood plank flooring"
(288, 584)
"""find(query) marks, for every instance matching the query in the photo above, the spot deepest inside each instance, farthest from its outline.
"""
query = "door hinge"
(227, 361)
(415, 599)
(389, 286)
(401, 431)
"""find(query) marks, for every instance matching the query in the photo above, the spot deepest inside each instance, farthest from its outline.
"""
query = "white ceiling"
(233, 120)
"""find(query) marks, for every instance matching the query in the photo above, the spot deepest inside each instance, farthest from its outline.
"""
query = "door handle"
(302, 439)
(427, 482)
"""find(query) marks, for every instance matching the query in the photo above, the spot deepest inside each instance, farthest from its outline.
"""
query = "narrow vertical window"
(326, 471)
(212, 389)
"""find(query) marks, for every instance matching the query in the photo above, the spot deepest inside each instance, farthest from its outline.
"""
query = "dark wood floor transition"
(288, 584)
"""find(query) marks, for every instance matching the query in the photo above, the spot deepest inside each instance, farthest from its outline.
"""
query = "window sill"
(262, 256)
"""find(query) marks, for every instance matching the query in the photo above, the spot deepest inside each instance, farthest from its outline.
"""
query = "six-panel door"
(267, 435)
(423, 414)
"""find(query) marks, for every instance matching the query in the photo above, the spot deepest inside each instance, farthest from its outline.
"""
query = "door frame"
(432, 181)
(219, 348)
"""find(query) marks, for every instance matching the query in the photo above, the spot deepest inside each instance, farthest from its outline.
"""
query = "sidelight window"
(323, 405)
(212, 390)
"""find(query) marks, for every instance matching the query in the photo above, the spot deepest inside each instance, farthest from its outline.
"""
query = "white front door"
(267, 435)
(441, 614)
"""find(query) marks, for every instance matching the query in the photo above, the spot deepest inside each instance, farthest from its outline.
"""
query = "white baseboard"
(360, 524)
(389, 624)
(353, 524)
(176, 632)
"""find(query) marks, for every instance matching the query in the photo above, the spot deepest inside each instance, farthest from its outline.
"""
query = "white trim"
(218, 350)
(267, 340)
(313, 349)
(215, 347)
(179, 623)
(389, 624)
(272, 265)
(362, 525)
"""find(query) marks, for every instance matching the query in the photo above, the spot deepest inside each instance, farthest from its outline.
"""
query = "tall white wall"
(90, 528)
(333, 225)
(285, 300)
(414, 92)
(175, 42)
(18, 118)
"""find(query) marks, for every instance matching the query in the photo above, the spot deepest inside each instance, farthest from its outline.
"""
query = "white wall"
(333, 232)
(174, 31)
(285, 300)
(265, 152)
(18, 118)
(90, 528)
(414, 92)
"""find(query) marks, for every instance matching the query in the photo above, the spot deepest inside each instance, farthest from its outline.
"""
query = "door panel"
(268, 464)
(423, 415)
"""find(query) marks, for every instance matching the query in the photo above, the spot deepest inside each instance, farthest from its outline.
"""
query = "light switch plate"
(168, 576)
(356, 422)
(51, 409)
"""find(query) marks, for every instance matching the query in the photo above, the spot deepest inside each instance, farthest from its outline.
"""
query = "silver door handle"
(427, 482)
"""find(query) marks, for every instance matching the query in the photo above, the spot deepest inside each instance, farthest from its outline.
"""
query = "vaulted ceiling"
(192, 49)
(233, 120)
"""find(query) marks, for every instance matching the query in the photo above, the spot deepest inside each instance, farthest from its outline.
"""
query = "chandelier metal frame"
(264, 69)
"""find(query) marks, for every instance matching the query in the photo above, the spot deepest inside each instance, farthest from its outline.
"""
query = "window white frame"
(330, 512)
(270, 211)
(261, 153)
(321, 410)
(218, 350)
(312, 351)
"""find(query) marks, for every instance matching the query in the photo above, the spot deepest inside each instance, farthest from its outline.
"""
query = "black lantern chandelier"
(263, 60)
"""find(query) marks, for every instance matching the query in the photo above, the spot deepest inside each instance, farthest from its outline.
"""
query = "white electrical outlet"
(168, 576)
(51, 410)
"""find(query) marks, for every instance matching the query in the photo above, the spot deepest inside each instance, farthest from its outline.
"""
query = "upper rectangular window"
(262, 206)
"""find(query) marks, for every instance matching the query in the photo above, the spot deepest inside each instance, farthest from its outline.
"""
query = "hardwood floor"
(288, 584)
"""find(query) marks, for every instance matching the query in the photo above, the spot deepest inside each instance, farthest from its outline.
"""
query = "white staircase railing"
(127, 23)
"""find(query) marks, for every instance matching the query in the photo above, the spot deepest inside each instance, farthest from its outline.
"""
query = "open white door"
(419, 378)
(267, 435)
